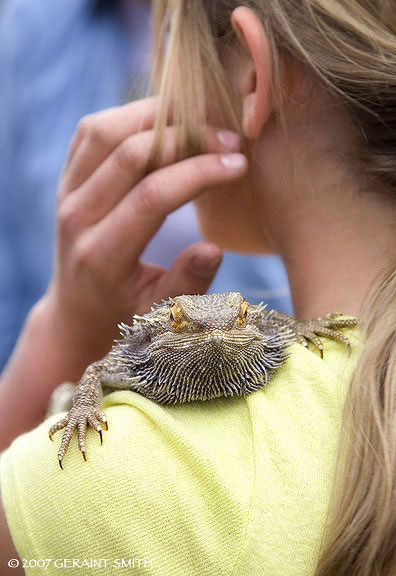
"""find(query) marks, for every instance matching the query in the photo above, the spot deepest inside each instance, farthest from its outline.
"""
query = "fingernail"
(235, 161)
(228, 139)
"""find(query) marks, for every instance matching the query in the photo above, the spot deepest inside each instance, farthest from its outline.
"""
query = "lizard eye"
(243, 313)
(244, 309)
(176, 314)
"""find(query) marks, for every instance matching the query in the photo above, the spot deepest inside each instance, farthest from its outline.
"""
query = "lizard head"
(198, 347)
(208, 314)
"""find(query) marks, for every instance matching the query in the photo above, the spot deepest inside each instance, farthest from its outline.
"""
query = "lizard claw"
(79, 418)
(327, 326)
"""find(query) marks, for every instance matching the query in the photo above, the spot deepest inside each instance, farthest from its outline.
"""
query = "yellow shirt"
(235, 487)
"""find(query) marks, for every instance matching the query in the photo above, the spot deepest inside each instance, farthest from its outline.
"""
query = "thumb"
(193, 270)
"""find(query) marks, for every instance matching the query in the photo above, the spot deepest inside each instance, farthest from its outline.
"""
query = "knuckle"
(70, 220)
(129, 155)
(149, 196)
(85, 253)
(84, 126)
(94, 128)
(99, 133)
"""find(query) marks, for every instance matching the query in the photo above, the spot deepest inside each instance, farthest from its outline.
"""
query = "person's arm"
(40, 361)
(108, 210)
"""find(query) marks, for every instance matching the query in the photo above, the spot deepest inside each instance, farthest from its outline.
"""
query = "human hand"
(109, 209)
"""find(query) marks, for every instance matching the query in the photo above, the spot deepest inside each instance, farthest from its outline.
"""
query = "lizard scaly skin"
(192, 348)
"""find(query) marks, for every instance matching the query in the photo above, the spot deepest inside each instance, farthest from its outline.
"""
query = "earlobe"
(256, 94)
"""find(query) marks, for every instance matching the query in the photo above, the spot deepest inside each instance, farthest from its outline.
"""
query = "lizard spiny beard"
(188, 367)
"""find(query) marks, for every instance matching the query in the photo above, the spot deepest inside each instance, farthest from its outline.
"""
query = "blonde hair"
(350, 47)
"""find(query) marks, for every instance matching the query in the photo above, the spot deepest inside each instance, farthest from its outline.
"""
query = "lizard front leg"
(304, 331)
(327, 326)
(85, 411)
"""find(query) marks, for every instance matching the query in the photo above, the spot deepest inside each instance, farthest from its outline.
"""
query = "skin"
(333, 238)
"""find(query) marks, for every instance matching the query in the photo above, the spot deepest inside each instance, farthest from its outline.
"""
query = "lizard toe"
(78, 419)
(58, 426)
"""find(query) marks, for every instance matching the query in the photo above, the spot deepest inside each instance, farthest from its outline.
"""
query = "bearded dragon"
(192, 348)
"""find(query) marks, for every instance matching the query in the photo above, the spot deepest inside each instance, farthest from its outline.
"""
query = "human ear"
(255, 85)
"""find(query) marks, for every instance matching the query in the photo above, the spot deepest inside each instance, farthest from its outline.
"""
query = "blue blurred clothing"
(61, 60)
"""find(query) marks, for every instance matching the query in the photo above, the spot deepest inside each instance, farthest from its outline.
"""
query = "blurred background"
(61, 60)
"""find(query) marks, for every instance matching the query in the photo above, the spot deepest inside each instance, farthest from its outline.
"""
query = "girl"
(298, 478)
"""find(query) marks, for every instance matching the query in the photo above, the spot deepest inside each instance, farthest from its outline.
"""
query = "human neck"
(333, 276)
(335, 243)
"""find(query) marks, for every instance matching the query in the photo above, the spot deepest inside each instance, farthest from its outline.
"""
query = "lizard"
(192, 348)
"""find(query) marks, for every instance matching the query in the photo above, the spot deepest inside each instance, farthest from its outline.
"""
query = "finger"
(191, 273)
(119, 239)
(125, 167)
(116, 122)
(99, 134)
